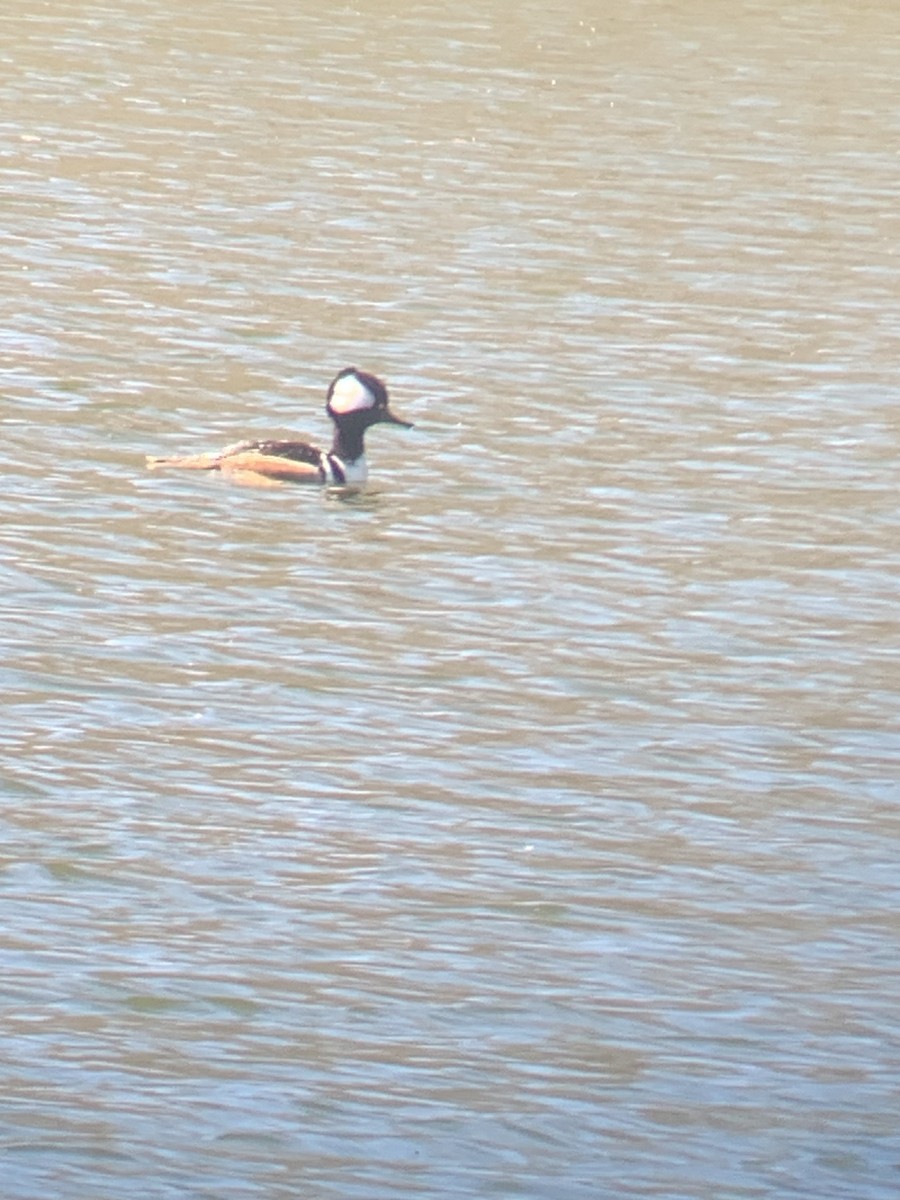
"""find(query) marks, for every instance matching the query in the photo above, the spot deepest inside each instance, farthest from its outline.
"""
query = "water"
(527, 824)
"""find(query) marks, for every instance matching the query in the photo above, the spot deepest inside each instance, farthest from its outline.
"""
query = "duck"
(355, 401)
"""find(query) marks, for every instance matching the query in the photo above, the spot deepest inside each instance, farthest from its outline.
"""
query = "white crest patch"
(351, 395)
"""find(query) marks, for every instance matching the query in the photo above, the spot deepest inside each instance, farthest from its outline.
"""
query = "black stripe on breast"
(336, 468)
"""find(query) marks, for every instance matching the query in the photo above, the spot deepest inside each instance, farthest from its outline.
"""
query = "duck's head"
(358, 398)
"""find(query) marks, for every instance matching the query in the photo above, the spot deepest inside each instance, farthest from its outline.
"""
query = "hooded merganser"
(355, 401)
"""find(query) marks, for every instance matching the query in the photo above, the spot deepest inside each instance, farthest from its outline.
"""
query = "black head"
(356, 397)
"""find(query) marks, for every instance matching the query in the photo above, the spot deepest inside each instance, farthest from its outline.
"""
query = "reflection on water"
(526, 823)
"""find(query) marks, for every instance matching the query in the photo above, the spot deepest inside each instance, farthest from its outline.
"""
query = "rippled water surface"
(525, 825)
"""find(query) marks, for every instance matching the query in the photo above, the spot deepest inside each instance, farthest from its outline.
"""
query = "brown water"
(527, 825)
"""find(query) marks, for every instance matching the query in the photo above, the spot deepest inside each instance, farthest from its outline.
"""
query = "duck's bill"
(389, 419)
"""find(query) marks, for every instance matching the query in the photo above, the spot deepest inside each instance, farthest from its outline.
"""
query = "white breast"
(356, 472)
(353, 472)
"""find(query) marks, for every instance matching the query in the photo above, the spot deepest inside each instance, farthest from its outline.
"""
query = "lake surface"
(525, 825)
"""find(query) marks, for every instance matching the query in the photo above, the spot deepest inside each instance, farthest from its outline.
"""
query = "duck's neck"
(348, 441)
